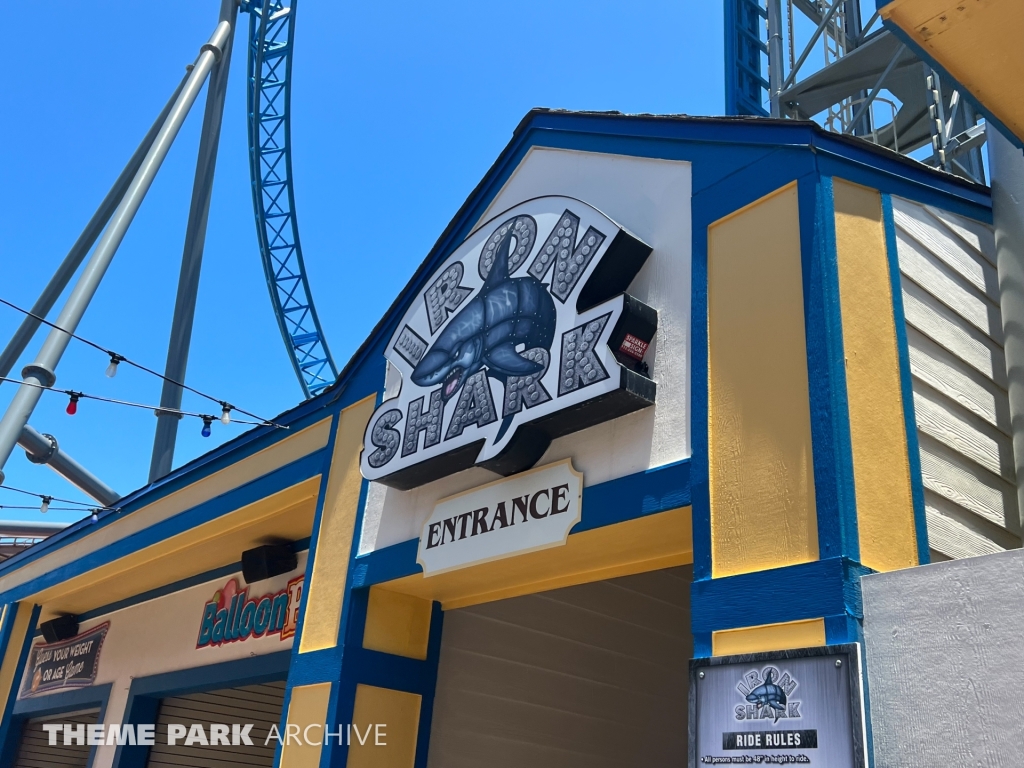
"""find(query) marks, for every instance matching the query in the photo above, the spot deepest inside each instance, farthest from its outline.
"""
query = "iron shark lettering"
(516, 338)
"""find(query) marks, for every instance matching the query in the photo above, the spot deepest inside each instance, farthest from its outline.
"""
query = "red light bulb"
(72, 408)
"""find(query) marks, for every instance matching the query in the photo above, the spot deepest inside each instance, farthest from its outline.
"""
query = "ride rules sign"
(800, 707)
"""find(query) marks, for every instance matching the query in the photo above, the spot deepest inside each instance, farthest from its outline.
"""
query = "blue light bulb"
(206, 427)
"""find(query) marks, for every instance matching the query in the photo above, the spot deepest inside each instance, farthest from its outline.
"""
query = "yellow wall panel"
(397, 624)
(399, 714)
(761, 476)
(21, 619)
(878, 435)
(326, 589)
(308, 707)
(769, 637)
(649, 543)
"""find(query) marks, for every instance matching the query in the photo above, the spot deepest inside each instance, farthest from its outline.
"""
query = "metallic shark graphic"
(769, 694)
(508, 313)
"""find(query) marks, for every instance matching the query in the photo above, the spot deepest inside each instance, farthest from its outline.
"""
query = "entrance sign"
(801, 707)
(523, 334)
(67, 664)
(531, 511)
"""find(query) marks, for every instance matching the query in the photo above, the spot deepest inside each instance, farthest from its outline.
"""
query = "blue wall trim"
(362, 666)
(54, 704)
(906, 384)
(278, 480)
(67, 701)
(835, 497)
(829, 587)
(10, 727)
(146, 692)
(633, 496)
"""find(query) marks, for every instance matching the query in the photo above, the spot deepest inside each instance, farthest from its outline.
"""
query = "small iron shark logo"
(768, 694)
(508, 313)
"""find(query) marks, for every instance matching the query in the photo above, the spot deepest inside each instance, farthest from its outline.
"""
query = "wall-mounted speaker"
(268, 561)
(62, 628)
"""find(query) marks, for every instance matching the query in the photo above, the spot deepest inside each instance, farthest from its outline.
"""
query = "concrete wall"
(943, 651)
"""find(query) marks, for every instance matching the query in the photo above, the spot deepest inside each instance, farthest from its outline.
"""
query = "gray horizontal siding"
(587, 676)
(35, 750)
(257, 704)
(955, 338)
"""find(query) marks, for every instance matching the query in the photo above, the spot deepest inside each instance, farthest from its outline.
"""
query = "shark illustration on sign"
(521, 335)
(768, 694)
(508, 312)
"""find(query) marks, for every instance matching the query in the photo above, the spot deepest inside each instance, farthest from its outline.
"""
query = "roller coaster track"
(271, 40)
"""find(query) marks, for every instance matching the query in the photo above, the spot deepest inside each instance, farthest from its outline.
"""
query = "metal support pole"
(1006, 165)
(810, 45)
(775, 73)
(876, 90)
(41, 372)
(85, 241)
(191, 260)
(43, 449)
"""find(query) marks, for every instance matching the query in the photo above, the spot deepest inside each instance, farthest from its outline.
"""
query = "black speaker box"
(267, 561)
(62, 628)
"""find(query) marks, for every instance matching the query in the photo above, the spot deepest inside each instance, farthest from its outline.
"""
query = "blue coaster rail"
(271, 41)
(746, 57)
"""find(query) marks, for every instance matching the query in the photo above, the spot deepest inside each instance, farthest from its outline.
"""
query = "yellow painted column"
(397, 624)
(878, 433)
(326, 586)
(763, 511)
(304, 726)
(326, 590)
(387, 723)
(769, 637)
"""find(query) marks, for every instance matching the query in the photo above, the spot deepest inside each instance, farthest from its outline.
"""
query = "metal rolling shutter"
(35, 750)
(257, 704)
(592, 676)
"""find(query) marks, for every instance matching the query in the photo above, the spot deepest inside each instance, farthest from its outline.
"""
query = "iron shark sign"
(523, 334)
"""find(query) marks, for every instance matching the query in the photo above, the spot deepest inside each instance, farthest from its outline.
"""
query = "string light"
(72, 408)
(225, 416)
(207, 421)
(51, 508)
(95, 516)
(47, 500)
(116, 359)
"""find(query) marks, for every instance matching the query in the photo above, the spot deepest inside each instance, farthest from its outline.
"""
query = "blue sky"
(398, 110)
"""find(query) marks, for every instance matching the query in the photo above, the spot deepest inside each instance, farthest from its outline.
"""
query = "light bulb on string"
(225, 416)
(95, 516)
(112, 368)
(207, 421)
(46, 504)
(72, 408)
